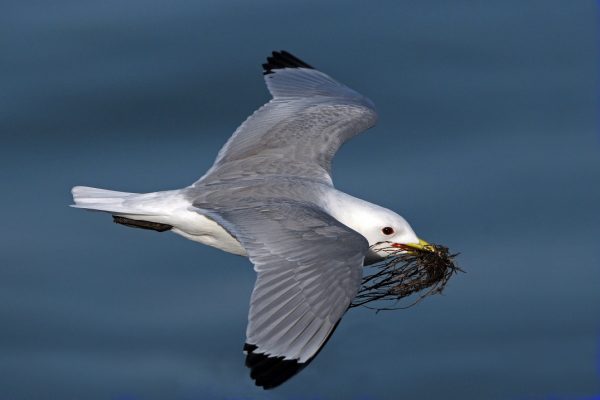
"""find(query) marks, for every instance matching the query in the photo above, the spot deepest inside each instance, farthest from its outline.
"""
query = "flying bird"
(269, 196)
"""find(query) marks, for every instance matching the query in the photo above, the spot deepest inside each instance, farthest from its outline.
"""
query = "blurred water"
(486, 142)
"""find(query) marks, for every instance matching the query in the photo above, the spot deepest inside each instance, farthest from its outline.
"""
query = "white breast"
(172, 208)
(199, 228)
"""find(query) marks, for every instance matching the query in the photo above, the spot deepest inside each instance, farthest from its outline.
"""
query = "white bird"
(269, 196)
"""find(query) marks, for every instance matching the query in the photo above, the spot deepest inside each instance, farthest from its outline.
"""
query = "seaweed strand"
(404, 274)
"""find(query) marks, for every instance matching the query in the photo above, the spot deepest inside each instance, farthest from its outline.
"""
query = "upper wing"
(309, 269)
(298, 132)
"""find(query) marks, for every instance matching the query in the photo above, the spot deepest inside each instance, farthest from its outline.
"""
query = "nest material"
(403, 274)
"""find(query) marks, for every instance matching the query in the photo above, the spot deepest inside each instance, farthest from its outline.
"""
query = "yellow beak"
(422, 245)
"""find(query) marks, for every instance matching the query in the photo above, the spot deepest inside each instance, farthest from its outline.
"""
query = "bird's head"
(388, 233)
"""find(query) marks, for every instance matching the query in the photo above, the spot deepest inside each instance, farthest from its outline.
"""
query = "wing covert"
(299, 131)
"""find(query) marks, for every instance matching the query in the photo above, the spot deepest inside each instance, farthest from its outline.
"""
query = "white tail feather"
(105, 200)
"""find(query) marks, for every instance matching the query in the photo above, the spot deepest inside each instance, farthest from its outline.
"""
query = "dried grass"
(405, 277)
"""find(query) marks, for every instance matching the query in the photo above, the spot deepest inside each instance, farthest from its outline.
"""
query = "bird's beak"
(422, 245)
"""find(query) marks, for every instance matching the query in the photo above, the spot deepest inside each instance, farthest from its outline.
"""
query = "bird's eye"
(387, 230)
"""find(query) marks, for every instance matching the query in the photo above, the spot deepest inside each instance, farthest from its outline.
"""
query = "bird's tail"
(105, 200)
(139, 210)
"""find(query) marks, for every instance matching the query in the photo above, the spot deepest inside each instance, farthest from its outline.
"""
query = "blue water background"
(487, 142)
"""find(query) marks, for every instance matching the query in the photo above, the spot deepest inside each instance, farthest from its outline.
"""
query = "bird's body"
(270, 196)
(176, 207)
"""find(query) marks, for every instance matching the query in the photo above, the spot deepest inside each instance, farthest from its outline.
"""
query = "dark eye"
(387, 230)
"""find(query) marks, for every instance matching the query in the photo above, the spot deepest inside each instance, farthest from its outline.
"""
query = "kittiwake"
(269, 196)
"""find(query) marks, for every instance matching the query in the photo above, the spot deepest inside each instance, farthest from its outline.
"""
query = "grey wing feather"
(298, 132)
(309, 268)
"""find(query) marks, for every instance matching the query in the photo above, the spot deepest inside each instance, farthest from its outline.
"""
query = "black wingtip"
(269, 372)
(283, 59)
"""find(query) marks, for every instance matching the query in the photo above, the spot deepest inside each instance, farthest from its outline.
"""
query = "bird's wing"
(309, 268)
(299, 131)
